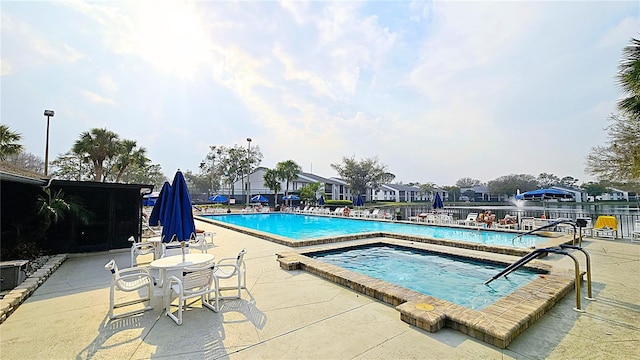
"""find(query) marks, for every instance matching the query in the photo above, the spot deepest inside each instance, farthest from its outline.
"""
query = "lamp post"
(48, 114)
(248, 170)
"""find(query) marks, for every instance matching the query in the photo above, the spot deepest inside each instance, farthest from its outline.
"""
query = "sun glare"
(170, 36)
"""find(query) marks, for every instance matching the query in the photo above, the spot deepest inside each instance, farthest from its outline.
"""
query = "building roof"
(401, 187)
(316, 178)
(13, 173)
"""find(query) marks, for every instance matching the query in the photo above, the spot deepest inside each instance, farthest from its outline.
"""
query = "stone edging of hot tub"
(11, 301)
(497, 324)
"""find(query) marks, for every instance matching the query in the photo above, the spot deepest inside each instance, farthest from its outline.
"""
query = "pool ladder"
(556, 250)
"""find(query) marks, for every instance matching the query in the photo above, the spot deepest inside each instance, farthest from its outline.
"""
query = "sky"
(435, 90)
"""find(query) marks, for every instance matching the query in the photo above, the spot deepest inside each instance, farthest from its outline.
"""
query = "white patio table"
(178, 262)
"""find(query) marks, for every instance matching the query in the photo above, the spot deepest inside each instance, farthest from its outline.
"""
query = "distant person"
(489, 218)
(508, 220)
(480, 217)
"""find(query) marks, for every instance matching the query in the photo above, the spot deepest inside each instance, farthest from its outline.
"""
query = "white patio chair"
(174, 248)
(129, 280)
(139, 248)
(201, 241)
(228, 268)
(635, 235)
(193, 282)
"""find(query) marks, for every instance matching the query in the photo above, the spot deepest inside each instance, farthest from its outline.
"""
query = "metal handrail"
(535, 253)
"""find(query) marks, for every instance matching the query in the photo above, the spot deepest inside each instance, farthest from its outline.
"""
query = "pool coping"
(497, 324)
(514, 251)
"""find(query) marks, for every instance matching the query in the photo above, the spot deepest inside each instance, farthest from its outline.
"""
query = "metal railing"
(625, 221)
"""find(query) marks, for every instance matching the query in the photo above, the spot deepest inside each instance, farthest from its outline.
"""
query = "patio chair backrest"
(194, 278)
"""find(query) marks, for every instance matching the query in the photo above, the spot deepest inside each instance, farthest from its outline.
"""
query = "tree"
(147, 174)
(26, 161)
(594, 188)
(197, 183)
(547, 180)
(569, 181)
(619, 160)
(467, 182)
(209, 168)
(629, 78)
(235, 162)
(71, 166)
(272, 181)
(99, 145)
(129, 155)
(454, 192)
(427, 188)
(9, 142)
(510, 184)
(288, 171)
(362, 174)
(309, 191)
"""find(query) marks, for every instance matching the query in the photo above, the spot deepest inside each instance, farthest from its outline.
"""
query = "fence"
(625, 221)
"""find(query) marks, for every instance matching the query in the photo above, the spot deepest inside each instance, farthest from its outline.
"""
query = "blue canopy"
(437, 202)
(150, 199)
(359, 201)
(321, 201)
(542, 194)
(178, 217)
(291, 197)
(218, 199)
(259, 198)
(157, 214)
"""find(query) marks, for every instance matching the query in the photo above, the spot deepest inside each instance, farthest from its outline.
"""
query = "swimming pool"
(498, 322)
(304, 227)
(460, 281)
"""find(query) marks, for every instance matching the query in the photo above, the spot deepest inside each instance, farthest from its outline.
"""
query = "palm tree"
(629, 78)
(128, 156)
(272, 181)
(100, 145)
(8, 142)
(288, 171)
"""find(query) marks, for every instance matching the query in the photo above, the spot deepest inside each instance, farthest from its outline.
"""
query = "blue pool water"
(459, 281)
(305, 227)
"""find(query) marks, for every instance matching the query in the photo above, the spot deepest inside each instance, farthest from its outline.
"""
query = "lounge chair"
(374, 214)
(470, 220)
(606, 227)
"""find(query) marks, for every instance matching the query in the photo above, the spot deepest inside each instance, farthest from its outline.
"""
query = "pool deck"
(296, 314)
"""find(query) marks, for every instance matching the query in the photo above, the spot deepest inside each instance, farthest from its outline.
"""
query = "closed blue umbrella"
(321, 201)
(157, 214)
(359, 201)
(437, 202)
(218, 199)
(178, 221)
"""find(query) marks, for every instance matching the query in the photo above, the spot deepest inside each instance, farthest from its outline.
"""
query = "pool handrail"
(532, 255)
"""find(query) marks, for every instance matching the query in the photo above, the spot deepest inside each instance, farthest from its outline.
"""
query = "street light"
(48, 114)
(248, 170)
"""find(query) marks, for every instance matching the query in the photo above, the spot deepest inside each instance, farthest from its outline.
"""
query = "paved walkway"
(295, 315)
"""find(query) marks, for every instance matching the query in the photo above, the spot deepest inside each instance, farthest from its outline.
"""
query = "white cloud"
(436, 90)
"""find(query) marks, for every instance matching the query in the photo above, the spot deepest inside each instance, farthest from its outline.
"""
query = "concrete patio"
(296, 315)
